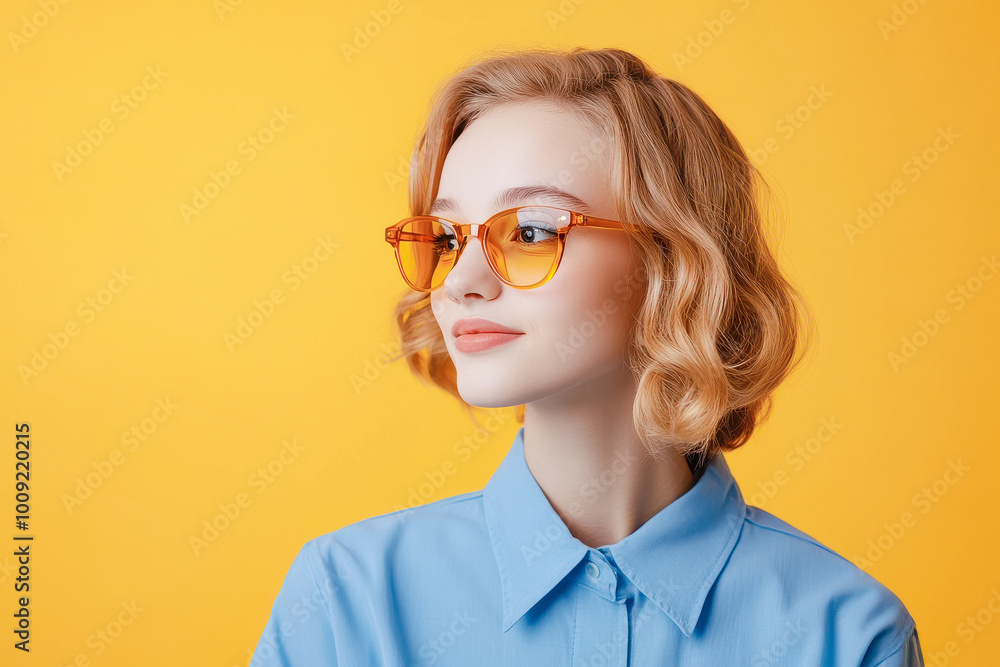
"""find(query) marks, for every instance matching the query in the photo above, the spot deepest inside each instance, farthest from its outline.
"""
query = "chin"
(496, 395)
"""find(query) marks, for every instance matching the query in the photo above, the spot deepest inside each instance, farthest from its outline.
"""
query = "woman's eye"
(445, 243)
(533, 234)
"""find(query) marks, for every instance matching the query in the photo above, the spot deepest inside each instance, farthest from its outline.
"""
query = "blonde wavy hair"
(718, 329)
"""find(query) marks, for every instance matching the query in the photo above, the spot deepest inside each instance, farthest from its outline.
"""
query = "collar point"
(687, 627)
(508, 622)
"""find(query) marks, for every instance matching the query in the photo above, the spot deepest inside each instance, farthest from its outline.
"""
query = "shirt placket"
(602, 618)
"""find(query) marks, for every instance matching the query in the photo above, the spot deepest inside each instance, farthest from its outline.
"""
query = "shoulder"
(786, 568)
(365, 548)
(447, 514)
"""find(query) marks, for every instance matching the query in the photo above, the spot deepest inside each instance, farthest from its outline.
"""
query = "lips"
(477, 325)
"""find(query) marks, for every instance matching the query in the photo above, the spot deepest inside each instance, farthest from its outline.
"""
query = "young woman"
(588, 245)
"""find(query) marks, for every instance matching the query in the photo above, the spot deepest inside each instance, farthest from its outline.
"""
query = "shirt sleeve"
(298, 632)
(907, 655)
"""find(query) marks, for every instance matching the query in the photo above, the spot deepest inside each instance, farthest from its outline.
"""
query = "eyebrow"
(512, 197)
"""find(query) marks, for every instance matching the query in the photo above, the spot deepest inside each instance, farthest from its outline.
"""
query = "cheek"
(436, 305)
(592, 308)
(599, 276)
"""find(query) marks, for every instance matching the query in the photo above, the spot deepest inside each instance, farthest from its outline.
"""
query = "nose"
(472, 274)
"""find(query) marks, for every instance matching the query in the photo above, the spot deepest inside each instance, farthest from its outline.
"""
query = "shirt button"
(593, 570)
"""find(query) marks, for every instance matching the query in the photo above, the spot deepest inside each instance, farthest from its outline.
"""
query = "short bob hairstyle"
(718, 329)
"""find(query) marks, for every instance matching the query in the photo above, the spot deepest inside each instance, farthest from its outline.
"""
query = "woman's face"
(574, 329)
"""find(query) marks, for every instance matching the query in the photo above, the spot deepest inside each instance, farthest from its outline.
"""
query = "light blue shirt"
(493, 577)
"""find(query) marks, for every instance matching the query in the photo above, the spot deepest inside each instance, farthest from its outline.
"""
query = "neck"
(589, 462)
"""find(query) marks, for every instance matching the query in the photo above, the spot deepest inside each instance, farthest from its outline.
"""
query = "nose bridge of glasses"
(474, 233)
(471, 230)
(482, 262)
(467, 233)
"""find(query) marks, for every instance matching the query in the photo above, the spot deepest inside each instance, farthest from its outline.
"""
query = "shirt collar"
(673, 558)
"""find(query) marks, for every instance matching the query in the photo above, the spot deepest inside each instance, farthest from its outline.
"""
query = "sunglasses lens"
(523, 245)
(427, 251)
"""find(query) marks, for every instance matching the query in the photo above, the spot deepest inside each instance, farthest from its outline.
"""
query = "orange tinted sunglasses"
(523, 245)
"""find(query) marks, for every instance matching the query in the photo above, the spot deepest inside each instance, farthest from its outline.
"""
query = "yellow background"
(336, 170)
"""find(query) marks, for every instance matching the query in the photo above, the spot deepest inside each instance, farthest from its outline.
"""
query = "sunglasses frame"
(394, 234)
